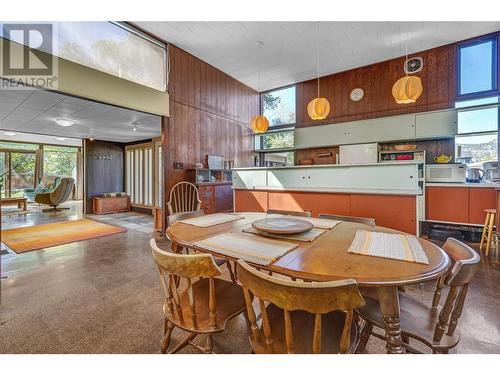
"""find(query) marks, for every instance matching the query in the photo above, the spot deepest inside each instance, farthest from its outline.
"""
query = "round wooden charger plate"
(282, 225)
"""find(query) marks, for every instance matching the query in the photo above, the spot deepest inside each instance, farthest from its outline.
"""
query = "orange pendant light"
(259, 124)
(318, 108)
(407, 89)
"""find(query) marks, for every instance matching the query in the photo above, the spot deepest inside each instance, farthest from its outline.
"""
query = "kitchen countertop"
(333, 190)
(464, 184)
(330, 165)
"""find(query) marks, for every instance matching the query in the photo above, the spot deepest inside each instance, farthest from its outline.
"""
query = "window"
(275, 140)
(477, 66)
(114, 48)
(139, 172)
(278, 159)
(277, 145)
(279, 106)
(476, 141)
(60, 161)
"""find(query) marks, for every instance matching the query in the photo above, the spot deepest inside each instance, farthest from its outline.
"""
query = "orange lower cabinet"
(250, 201)
(479, 200)
(316, 203)
(447, 204)
(391, 211)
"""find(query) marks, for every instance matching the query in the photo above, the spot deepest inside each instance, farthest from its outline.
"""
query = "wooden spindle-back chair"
(435, 329)
(300, 317)
(184, 197)
(355, 219)
(291, 213)
(199, 307)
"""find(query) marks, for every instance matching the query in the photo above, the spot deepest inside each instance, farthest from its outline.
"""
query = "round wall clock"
(357, 94)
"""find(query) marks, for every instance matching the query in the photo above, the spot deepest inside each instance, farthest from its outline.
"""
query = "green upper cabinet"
(439, 124)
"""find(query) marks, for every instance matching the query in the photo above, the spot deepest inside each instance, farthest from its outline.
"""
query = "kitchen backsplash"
(329, 155)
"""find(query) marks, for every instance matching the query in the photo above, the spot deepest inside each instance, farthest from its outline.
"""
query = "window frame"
(261, 106)
(480, 133)
(494, 67)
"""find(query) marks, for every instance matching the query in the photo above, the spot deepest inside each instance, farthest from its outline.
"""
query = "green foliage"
(278, 140)
(270, 102)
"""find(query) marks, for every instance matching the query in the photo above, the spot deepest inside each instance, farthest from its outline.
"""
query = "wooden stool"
(489, 223)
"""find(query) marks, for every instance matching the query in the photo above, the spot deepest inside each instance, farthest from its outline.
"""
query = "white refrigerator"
(359, 154)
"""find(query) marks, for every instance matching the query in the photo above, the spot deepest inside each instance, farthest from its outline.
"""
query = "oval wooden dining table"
(326, 258)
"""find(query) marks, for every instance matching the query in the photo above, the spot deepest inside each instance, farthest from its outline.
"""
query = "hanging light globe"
(259, 124)
(407, 89)
(318, 109)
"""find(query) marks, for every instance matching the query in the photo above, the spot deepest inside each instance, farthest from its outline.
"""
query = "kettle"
(474, 175)
(442, 159)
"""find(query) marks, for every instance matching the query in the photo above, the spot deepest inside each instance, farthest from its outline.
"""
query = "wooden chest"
(109, 205)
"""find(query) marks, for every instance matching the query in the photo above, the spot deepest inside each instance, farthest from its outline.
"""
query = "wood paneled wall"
(102, 175)
(209, 114)
(438, 79)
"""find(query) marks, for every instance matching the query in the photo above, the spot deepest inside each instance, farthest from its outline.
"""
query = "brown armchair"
(58, 196)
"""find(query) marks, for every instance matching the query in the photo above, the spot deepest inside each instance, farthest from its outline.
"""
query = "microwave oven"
(445, 172)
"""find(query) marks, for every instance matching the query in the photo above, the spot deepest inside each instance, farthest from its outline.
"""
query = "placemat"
(388, 245)
(308, 236)
(210, 220)
(245, 246)
(321, 223)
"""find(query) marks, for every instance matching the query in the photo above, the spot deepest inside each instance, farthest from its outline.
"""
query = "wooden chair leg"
(183, 343)
(437, 293)
(490, 233)
(485, 230)
(210, 344)
(165, 342)
(365, 336)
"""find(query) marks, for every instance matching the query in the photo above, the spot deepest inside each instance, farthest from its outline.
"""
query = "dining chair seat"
(332, 325)
(230, 303)
(416, 319)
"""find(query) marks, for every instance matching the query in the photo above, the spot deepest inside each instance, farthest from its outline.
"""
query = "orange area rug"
(42, 236)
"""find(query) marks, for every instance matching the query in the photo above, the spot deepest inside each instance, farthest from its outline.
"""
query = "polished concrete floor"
(103, 296)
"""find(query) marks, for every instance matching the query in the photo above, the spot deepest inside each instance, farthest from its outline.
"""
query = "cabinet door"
(250, 178)
(447, 204)
(391, 211)
(207, 198)
(316, 203)
(479, 200)
(223, 198)
(436, 124)
(324, 135)
(393, 128)
(250, 201)
(386, 177)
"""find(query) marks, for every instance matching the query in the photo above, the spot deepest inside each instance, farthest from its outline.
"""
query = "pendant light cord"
(406, 52)
(317, 52)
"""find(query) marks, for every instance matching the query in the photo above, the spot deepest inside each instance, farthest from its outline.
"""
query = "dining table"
(326, 258)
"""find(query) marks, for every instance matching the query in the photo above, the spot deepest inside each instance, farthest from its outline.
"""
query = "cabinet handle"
(411, 176)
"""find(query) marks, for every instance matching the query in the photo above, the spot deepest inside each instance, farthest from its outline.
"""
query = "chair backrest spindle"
(184, 197)
(313, 297)
(465, 262)
(174, 267)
